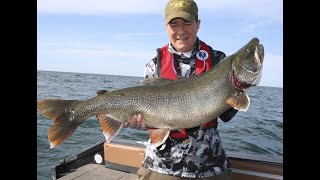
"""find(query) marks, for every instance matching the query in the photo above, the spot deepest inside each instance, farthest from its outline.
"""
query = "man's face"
(183, 34)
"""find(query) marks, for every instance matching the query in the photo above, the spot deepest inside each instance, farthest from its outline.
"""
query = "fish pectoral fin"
(239, 102)
(110, 126)
(158, 136)
(102, 91)
(155, 81)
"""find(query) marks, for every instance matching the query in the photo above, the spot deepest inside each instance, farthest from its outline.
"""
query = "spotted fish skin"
(164, 104)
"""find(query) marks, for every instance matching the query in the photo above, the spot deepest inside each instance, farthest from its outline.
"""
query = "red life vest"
(168, 66)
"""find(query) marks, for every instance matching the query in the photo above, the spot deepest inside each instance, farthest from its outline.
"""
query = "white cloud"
(272, 9)
(134, 35)
(99, 6)
(254, 27)
(99, 53)
(93, 50)
(256, 8)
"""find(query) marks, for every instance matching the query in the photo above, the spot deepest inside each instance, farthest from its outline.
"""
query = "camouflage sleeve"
(150, 69)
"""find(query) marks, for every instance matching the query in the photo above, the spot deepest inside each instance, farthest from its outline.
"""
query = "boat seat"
(123, 157)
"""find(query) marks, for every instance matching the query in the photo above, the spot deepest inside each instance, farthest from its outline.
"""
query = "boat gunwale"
(90, 151)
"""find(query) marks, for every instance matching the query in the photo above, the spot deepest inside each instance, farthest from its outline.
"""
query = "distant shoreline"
(89, 73)
(124, 76)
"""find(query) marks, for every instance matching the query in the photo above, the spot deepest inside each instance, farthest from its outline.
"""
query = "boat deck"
(98, 172)
(121, 160)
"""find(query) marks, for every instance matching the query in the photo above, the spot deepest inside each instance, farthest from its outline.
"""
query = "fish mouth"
(259, 54)
(240, 85)
(249, 75)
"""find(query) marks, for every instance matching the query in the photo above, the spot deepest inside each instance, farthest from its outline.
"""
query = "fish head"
(246, 66)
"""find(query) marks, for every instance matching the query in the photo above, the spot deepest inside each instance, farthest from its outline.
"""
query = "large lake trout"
(164, 104)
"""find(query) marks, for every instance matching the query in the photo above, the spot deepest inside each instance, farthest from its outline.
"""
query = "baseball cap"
(186, 9)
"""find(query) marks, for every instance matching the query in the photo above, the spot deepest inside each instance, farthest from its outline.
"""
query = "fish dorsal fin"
(239, 102)
(102, 91)
(158, 136)
(109, 125)
(155, 81)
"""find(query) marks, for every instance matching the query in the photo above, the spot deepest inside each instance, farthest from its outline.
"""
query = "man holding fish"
(188, 86)
(195, 152)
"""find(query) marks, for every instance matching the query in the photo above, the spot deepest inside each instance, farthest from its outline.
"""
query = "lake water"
(258, 131)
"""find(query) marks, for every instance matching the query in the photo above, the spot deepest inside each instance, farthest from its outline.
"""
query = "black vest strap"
(158, 63)
(217, 56)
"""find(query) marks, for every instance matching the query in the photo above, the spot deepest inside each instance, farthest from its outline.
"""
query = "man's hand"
(136, 122)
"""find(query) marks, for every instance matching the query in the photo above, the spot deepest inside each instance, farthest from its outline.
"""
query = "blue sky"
(120, 37)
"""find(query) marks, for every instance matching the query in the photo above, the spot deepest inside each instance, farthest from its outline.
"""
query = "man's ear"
(198, 23)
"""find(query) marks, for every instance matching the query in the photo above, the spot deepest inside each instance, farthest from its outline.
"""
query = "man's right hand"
(136, 122)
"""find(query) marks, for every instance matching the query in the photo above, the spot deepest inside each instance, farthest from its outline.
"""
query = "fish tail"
(63, 126)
